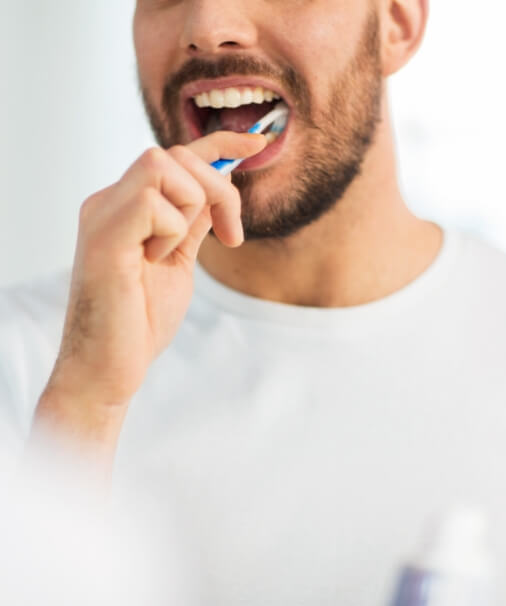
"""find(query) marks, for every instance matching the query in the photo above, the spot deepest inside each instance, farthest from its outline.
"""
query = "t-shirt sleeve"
(13, 384)
(31, 321)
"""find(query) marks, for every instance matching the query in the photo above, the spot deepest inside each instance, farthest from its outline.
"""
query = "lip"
(188, 109)
(267, 155)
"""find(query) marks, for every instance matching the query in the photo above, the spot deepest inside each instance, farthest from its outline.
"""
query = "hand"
(132, 279)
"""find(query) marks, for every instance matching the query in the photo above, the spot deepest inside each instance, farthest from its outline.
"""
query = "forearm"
(78, 429)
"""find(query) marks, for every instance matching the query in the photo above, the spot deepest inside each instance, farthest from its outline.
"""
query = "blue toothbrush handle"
(225, 166)
(223, 163)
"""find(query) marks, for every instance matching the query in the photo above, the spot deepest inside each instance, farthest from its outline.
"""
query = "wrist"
(80, 419)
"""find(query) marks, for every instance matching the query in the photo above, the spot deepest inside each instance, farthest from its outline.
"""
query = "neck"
(368, 246)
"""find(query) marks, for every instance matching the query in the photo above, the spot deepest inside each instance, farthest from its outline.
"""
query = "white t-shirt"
(301, 450)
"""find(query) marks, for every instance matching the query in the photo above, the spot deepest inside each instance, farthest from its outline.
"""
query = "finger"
(158, 169)
(155, 168)
(190, 246)
(166, 225)
(227, 144)
(221, 195)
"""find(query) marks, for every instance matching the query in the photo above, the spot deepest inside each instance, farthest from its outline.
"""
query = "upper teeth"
(234, 97)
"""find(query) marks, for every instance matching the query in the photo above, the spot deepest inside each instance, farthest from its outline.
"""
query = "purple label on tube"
(414, 588)
(418, 587)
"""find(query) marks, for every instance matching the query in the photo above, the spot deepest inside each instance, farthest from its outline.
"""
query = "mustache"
(236, 65)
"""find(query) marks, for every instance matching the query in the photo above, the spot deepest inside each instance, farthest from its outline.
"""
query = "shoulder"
(480, 251)
(473, 305)
(36, 299)
(31, 314)
(481, 268)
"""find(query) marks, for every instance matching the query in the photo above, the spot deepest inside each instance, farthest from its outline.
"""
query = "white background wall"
(71, 121)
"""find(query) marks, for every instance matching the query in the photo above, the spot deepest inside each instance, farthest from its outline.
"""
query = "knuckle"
(195, 190)
(175, 229)
(175, 217)
(180, 152)
(87, 208)
(153, 158)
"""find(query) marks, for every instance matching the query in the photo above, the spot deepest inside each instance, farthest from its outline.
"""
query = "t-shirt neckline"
(347, 319)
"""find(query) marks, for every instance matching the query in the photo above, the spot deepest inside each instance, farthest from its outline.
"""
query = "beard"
(335, 142)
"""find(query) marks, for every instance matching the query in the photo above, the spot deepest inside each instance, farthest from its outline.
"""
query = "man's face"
(324, 58)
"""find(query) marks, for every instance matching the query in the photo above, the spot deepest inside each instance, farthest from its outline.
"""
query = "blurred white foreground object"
(454, 566)
(62, 542)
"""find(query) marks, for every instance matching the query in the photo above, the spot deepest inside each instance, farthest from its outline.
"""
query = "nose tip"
(209, 30)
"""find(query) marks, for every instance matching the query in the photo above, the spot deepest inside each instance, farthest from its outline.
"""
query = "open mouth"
(208, 120)
(231, 109)
(237, 109)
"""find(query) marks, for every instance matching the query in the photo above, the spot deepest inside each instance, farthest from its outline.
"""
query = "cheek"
(319, 45)
(154, 50)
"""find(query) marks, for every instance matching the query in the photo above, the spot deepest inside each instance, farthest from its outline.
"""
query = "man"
(338, 374)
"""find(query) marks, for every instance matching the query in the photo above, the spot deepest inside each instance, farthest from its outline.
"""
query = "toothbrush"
(277, 117)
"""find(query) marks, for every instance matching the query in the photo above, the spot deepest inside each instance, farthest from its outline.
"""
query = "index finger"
(227, 144)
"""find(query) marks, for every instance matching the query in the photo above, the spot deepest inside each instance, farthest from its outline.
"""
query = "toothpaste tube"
(454, 567)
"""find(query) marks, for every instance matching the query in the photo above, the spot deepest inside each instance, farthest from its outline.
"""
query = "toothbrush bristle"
(279, 125)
